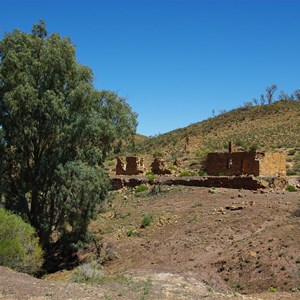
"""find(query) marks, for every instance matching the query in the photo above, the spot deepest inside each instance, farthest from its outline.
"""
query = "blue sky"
(175, 61)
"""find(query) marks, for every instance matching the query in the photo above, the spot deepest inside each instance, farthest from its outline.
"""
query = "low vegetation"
(291, 188)
(147, 220)
(19, 246)
(141, 188)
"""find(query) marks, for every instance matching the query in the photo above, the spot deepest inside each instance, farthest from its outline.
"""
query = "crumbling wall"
(232, 164)
(233, 182)
(133, 166)
(159, 167)
(246, 163)
(272, 164)
(121, 166)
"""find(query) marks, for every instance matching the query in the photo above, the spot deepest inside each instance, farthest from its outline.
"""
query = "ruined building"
(132, 165)
(246, 163)
(159, 167)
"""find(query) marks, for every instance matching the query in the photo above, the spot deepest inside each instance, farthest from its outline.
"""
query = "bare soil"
(202, 243)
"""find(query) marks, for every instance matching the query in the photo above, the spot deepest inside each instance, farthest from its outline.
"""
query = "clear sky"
(175, 61)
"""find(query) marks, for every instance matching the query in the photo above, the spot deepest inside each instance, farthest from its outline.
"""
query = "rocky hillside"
(274, 126)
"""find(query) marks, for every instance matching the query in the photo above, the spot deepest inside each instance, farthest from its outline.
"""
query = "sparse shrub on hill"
(147, 220)
(150, 176)
(89, 272)
(141, 188)
(291, 188)
(19, 247)
(158, 154)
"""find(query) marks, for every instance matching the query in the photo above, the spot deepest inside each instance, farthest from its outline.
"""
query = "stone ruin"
(236, 163)
(159, 167)
(132, 165)
(177, 163)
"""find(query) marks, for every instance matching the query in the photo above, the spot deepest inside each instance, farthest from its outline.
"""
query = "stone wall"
(232, 164)
(132, 166)
(159, 167)
(246, 163)
(273, 164)
(235, 182)
(121, 166)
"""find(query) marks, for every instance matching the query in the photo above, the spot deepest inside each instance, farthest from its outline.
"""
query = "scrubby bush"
(150, 176)
(202, 173)
(19, 247)
(133, 232)
(141, 188)
(187, 173)
(89, 272)
(291, 188)
(146, 221)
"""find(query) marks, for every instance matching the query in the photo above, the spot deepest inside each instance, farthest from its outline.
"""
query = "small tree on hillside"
(296, 95)
(55, 131)
(270, 90)
(284, 96)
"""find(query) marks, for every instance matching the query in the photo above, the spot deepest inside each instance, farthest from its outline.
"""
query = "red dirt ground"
(202, 244)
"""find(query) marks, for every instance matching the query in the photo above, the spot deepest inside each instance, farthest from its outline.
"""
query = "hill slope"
(273, 126)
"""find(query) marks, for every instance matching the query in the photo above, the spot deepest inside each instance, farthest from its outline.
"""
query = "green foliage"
(19, 247)
(149, 173)
(89, 272)
(141, 188)
(291, 188)
(253, 147)
(133, 232)
(55, 132)
(147, 220)
(202, 173)
(198, 203)
(202, 154)
(187, 173)
(212, 190)
(239, 143)
(146, 288)
(151, 177)
(273, 289)
(110, 163)
(295, 169)
(157, 154)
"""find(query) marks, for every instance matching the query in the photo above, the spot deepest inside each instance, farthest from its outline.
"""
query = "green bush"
(157, 154)
(19, 247)
(150, 176)
(202, 173)
(291, 188)
(187, 173)
(133, 232)
(89, 272)
(141, 188)
(147, 220)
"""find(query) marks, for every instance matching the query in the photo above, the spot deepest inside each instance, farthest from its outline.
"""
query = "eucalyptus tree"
(55, 131)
